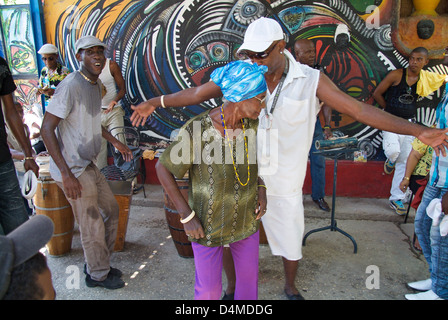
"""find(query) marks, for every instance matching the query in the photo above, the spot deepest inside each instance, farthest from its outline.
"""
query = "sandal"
(415, 243)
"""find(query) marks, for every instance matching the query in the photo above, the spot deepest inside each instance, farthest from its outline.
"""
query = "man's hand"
(124, 150)
(436, 138)
(30, 164)
(72, 187)
(404, 184)
(110, 107)
(46, 91)
(262, 202)
(141, 113)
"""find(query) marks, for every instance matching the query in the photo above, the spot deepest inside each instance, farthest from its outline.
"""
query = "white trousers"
(397, 148)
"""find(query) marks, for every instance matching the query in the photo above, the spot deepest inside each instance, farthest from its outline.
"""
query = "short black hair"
(420, 50)
(23, 284)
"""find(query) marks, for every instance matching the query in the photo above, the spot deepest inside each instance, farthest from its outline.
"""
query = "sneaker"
(389, 166)
(427, 295)
(423, 285)
(398, 206)
(113, 271)
(111, 282)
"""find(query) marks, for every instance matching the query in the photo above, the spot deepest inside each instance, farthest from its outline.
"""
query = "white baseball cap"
(48, 49)
(261, 34)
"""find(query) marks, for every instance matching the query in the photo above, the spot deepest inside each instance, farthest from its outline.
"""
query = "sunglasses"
(49, 59)
(258, 55)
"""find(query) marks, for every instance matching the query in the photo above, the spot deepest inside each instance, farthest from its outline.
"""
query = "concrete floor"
(329, 270)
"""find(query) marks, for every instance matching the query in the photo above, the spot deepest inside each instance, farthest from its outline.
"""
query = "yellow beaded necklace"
(87, 79)
(231, 149)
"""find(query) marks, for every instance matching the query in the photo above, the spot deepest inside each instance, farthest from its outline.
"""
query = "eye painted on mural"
(196, 60)
(244, 12)
(293, 18)
(218, 51)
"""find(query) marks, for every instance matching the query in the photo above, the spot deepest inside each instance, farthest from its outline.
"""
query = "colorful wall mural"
(165, 46)
(18, 48)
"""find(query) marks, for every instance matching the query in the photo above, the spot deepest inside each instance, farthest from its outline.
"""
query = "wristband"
(29, 158)
(187, 219)
(262, 185)
(327, 127)
(407, 178)
(162, 102)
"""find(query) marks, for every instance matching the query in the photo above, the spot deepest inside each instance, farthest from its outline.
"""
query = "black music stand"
(334, 154)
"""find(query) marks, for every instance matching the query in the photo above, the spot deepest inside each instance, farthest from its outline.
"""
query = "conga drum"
(50, 201)
(180, 239)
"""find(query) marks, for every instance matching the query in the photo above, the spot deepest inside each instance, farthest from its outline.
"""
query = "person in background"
(53, 72)
(397, 94)
(12, 209)
(112, 115)
(431, 220)
(416, 175)
(305, 52)
(24, 273)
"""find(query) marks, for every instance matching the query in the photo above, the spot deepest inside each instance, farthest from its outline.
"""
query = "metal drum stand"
(334, 154)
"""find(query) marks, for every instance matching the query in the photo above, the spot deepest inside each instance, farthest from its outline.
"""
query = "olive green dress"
(224, 206)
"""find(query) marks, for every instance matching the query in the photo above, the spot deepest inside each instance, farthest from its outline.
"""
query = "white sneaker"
(422, 285)
(427, 295)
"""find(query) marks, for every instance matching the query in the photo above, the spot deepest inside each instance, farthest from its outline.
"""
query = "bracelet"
(187, 219)
(162, 102)
(262, 185)
(29, 158)
(327, 127)
(407, 178)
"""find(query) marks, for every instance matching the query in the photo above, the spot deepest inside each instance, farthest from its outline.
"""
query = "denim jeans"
(434, 246)
(12, 208)
(317, 165)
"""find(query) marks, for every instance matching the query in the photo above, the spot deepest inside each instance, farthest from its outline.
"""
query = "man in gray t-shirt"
(78, 132)
(72, 133)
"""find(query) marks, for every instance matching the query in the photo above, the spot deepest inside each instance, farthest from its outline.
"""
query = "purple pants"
(208, 264)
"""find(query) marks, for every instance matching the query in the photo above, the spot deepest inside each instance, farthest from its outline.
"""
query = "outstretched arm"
(377, 118)
(186, 97)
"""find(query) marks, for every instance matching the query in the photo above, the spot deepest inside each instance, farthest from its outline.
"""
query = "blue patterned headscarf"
(240, 80)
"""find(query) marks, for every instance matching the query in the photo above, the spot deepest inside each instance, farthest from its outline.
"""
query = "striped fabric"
(439, 167)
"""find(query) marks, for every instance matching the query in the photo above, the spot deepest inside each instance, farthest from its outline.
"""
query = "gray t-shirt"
(78, 104)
